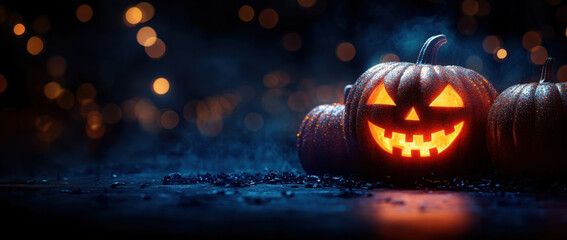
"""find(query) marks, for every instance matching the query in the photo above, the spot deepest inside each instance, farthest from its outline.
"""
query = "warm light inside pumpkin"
(380, 96)
(439, 141)
(448, 98)
(412, 116)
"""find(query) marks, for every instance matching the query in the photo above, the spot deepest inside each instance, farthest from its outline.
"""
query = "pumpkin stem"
(428, 52)
(347, 91)
(547, 71)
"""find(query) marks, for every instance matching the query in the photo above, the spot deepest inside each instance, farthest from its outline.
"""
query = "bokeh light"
(56, 66)
(324, 93)
(66, 99)
(561, 14)
(210, 128)
(146, 36)
(35, 45)
(41, 24)
(190, 111)
(3, 14)
(148, 11)
(133, 15)
(501, 54)
(389, 57)
(245, 93)
(95, 128)
(291, 41)
(474, 62)
(298, 101)
(491, 43)
(3, 83)
(346, 51)
(229, 101)
(531, 39)
(160, 86)
(147, 114)
(48, 129)
(246, 13)
(467, 25)
(169, 119)
(538, 54)
(52, 90)
(84, 13)
(253, 121)
(273, 102)
(470, 7)
(85, 92)
(306, 3)
(562, 73)
(276, 79)
(111, 113)
(156, 50)
(87, 106)
(19, 29)
(484, 8)
(553, 2)
(268, 18)
(129, 109)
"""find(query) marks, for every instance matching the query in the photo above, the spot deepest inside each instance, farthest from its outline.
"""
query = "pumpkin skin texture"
(432, 118)
(526, 132)
(321, 142)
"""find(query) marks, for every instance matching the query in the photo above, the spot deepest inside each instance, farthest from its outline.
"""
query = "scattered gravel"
(490, 182)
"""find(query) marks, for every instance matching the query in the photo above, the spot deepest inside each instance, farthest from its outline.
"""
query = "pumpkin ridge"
(415, 75)
(499, 120)
(306, 135)
(524, 93)
(562, 88)
(484, 92)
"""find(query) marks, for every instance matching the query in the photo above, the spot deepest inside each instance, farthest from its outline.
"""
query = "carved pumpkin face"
(413, 137)
(408, 119)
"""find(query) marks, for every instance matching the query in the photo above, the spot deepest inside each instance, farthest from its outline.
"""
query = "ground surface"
(273, 204)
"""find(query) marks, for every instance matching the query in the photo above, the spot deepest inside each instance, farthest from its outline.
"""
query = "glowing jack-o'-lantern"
(406, 119)
(410, 144)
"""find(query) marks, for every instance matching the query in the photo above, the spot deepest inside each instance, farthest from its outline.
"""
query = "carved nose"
(412, 115)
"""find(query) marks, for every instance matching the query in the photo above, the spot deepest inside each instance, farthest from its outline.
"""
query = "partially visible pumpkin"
(527, 128)
(321, 141)
(408, 119)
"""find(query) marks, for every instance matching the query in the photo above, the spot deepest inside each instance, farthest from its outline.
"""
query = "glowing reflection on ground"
(418, 215)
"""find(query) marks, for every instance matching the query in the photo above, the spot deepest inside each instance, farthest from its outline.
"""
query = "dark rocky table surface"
(276, 205)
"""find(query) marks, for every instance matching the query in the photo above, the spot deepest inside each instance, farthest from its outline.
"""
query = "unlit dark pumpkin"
(527, 128)
(407, 119)
(321, 141)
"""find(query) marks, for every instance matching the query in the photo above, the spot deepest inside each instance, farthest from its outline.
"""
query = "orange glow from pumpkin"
(380, 96)
(439, 141)
(412, 116)
(415, 215)
(448, 98)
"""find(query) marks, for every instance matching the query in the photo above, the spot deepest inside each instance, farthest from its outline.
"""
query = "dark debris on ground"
(490, 182)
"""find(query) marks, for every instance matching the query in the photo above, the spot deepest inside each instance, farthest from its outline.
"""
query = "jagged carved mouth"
(414, 146)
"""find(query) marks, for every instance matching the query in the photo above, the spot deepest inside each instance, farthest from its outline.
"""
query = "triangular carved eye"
(380, 96)
(448, 98)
